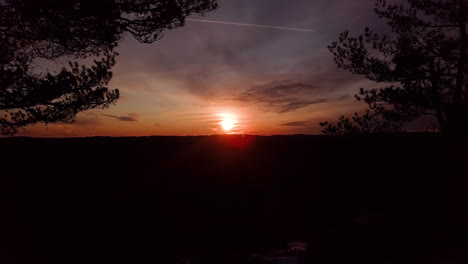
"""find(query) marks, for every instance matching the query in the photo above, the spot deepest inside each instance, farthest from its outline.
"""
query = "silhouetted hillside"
(218, 199)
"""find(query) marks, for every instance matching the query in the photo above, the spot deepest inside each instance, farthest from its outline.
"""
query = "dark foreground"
(378, 199)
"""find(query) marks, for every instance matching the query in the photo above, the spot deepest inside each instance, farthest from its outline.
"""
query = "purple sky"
(269, 80)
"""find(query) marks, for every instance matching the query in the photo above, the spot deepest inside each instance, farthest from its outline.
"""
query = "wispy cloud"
(298, 124)
(128, 118)
(299, 104)
(282, 96)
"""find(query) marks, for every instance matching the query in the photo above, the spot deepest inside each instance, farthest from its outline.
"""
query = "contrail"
(249, 25)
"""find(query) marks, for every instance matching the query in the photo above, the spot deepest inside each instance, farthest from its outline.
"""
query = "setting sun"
(228, 122)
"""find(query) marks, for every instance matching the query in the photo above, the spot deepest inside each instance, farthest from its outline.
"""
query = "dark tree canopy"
(422, 63)
(32, 30)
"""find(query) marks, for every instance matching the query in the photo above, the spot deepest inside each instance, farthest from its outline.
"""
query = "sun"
(228, 122)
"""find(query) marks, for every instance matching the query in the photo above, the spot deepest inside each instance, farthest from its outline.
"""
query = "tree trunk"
(457, 111)
(435, 85)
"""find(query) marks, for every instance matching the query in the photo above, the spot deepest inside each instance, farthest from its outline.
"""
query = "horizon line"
(206, 135)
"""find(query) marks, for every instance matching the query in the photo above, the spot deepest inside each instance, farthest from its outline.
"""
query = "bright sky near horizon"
(250, 67)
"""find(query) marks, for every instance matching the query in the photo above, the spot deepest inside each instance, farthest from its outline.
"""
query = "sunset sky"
(215, 78)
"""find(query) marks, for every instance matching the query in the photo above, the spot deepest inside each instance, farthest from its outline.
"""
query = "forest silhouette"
(354, 199)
